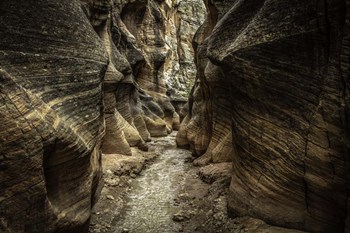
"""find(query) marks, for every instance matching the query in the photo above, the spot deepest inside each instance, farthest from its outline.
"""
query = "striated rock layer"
(206, 128)
(273, 81)
(140, 100)
(78, 78)
(51, 71)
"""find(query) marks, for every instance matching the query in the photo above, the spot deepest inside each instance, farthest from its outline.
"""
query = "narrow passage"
(147, 204)
(160, 191)
(150, 204)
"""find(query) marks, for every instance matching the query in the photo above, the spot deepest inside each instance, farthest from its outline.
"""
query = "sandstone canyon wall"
(144, 101)
(78, 78)
(272, 95)
(52, 66)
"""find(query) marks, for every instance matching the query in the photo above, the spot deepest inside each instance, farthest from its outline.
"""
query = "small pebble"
(110, 197)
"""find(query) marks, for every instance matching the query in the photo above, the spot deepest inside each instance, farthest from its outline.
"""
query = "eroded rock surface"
(272, 92)
(145, 40)
(169, 195)
(51, 70)
(78, 78)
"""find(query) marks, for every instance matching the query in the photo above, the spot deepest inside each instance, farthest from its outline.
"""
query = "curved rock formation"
(138, 36)
(206, 129)
(183, 19)
(275, 76)
(78, 78)
(52, 65)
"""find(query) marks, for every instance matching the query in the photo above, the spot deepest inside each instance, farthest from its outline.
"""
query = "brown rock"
(274, 75)
(51, 119)
(72, 72)
(213, 172)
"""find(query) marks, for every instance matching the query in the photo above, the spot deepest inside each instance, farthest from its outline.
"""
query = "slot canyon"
(165, 116)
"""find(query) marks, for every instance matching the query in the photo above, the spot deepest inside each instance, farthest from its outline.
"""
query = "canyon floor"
(160, 191)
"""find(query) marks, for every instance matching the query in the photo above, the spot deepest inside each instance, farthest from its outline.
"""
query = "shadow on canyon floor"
(169, 195)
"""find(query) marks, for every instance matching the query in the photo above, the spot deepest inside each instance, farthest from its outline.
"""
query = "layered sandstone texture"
(78, 79)
(206, 128)
(151, 60)
(52, 65)
(272, 91)
(182, 21)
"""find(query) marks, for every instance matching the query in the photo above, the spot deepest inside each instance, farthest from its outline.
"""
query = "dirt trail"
(160, 191)
(142, 201)
(150, 204)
